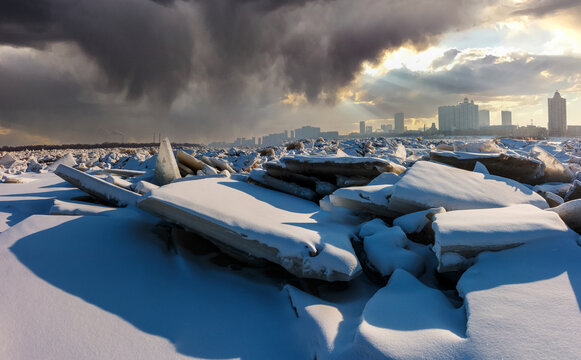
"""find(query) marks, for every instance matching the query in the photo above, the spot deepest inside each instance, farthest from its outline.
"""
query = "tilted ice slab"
(261, 223)
(461, 235)
(427, 185)
(106, 192)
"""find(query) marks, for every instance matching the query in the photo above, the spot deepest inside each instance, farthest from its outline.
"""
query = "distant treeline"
(107, 145)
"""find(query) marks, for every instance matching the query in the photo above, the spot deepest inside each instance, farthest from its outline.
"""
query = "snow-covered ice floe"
(428, 185)
(262, 223)
(461, 235)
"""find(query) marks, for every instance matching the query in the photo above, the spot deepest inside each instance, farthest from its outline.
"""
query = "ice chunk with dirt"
(372, 199)
(408, 320)
(552, 199)
(261, 177)
(340, 165)
(427, 185)
(574, 191)
(106, 192)
(263, 223)
(478, 147)
(553, 170)
(166, 168)
(190, 161)
(519, 168)
(319, 186)
(461, 235)
(570, 213)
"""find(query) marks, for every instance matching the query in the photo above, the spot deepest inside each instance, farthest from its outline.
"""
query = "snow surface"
(93, 287)
(69, 293)
(408, 320)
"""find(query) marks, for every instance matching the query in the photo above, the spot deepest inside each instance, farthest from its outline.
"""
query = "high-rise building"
(386, 127)
(307, 132)
(483, 118)
(460, 117)
(369, 129)
(446, 118)
(398, 123)
(362, 127)
(467, 115)
(506, 118)
(557, 115)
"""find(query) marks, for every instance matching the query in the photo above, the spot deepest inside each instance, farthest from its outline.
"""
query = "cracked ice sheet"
(69, 292)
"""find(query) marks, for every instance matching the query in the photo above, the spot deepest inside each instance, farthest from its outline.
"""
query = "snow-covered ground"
(93, 281)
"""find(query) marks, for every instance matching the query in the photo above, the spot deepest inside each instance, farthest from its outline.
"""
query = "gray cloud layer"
(209, 66)
(482, 79)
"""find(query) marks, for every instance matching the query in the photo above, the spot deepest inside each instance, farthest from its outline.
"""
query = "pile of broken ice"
(425, 194)
(400, 211)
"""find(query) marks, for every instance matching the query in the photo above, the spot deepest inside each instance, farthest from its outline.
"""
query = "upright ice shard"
(166, 167)
(68, 159)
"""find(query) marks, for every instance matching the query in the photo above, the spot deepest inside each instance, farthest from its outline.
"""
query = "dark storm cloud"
(211, 63)
(545, 7)
(155, 48)
(143, 48)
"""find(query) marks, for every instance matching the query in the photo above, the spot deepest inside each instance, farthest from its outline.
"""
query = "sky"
(85, 71)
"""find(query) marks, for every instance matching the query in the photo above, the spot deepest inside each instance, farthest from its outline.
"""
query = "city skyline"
(203, 71)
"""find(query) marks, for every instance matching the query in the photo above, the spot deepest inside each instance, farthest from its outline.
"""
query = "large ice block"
(428, 185)
(261, 223)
